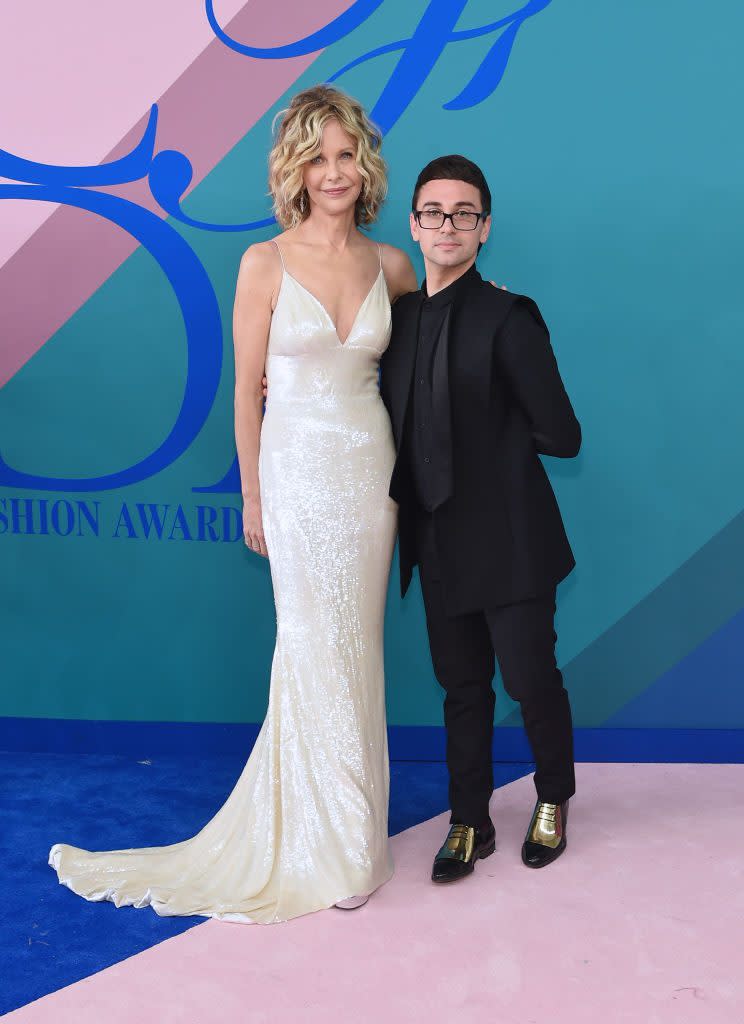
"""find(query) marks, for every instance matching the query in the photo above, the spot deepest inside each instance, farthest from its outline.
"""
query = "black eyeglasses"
(462, 220)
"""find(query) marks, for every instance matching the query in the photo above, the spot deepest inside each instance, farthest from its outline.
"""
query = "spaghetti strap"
(379, 253)
(279, 250)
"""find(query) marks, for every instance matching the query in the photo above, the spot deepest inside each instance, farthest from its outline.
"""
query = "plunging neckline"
(317, 301)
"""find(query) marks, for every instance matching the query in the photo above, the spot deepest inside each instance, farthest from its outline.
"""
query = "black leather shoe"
(546, 837)
(464, 845)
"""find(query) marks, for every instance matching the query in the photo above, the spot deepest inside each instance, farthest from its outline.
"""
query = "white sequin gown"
(306, 824)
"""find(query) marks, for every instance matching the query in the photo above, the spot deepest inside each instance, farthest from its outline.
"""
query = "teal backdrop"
(608, 134)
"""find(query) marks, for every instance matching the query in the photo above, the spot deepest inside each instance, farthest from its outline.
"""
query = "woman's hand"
(253, 532)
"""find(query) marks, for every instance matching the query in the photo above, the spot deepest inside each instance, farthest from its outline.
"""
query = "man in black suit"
(475, 396)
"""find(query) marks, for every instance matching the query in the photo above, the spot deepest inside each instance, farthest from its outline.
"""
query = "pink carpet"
(639, 923)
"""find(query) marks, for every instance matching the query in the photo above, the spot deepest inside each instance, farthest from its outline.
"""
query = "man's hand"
(253, 533)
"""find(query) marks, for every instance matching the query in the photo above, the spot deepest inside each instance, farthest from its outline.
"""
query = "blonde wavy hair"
(299, 139)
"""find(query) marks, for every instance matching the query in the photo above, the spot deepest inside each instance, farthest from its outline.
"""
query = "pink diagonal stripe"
(206, 111)
(73, 111)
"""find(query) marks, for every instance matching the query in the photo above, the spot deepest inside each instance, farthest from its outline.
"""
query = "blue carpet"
(50, 938)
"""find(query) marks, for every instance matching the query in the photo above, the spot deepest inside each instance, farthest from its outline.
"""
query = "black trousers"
(464, 649)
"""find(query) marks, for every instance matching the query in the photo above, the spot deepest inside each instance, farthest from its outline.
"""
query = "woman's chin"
(341, 206)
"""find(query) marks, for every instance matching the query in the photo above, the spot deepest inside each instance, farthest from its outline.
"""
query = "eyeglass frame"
(449, 217)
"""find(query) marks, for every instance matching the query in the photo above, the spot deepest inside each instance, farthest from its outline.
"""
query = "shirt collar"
(448, 295)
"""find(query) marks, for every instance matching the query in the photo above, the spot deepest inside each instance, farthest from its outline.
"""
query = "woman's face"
(332, 178)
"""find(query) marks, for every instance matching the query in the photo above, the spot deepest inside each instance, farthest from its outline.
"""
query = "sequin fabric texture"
(306, 824)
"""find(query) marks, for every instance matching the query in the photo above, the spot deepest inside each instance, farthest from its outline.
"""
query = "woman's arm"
(257, 280)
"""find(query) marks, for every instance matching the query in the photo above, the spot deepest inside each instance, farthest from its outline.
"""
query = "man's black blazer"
(500, 536)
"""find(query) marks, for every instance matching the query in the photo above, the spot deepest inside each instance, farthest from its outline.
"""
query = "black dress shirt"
(428, 433)
(421, 436)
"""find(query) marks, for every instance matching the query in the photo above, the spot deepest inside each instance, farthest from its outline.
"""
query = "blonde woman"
(306, 825)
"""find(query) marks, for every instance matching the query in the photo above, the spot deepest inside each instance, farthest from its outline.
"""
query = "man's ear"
(414, 227)
(485, 229)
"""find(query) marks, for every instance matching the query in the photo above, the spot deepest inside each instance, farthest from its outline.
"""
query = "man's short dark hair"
(454, 168)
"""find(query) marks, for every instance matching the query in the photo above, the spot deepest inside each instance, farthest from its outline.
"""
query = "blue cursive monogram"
(169, 173)
(180, 264)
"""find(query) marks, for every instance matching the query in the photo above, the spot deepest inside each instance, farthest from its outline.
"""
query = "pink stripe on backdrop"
(206, 111)
(73, 111)
(639, 922)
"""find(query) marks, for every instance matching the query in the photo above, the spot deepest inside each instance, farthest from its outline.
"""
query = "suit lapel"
(471, 349)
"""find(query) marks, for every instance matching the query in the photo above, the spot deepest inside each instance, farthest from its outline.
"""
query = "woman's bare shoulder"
(260, 256)
(394, 256)
(399, 272)
(260, 267)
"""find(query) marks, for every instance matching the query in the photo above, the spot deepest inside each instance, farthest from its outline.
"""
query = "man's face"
(449, 246)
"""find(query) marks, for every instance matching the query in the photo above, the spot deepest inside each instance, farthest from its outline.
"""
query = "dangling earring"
(302, 202)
